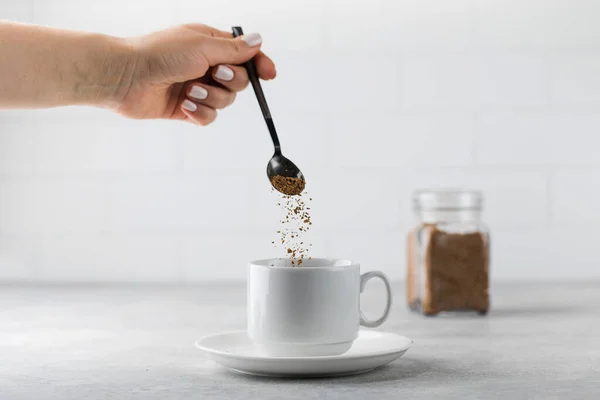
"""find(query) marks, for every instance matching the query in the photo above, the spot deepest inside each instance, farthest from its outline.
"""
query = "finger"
(230, 51)
(232, 77)
(211, 96)
(198, 113)
(265, 66)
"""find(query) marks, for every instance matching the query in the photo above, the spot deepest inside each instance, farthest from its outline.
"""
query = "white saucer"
(371, 350)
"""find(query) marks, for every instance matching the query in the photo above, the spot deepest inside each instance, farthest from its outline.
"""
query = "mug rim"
(265, 263)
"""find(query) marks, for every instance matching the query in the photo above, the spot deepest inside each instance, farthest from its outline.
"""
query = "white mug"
(311, 310)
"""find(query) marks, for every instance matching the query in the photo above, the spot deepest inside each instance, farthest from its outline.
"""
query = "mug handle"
(364, 278)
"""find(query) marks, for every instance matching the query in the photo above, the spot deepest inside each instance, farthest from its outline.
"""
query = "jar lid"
(447, 199)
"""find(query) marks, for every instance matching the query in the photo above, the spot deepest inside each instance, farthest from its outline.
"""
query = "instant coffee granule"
(449, 273)
(294, 226)
(288, 185)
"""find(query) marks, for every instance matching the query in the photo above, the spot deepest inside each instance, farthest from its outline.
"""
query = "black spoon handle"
(260, 96)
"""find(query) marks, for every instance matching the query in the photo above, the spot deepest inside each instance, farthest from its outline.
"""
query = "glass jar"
(448, 253)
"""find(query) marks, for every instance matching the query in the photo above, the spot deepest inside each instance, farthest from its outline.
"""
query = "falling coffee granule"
(294, 226)
(287, 185)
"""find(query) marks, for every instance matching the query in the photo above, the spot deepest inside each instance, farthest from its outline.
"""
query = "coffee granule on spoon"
(288, 185)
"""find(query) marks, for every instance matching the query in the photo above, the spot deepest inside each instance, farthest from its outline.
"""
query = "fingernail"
(189, 105)
(198, 92)
(252, 39)
(224, 73)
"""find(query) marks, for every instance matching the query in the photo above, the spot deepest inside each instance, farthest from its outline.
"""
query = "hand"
(187, 73)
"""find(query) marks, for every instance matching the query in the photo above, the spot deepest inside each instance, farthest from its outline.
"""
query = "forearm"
(46, 67)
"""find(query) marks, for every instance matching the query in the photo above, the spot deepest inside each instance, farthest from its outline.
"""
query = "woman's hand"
(187, 73)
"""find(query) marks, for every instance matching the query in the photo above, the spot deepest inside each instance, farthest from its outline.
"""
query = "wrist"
(112, 63)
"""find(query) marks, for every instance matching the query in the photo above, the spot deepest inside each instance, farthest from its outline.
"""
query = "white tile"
(118, 146)
(52, 206)
(19, 257)
(237, 139)
(306, 140)
(538, 23)
(388, 140)
(17, 11)
(374, 250)
(348, 20)
(302, 83)
(345, 199)
(18, 145)
(576, 195)
(266, 214)
(203, 12)
(359, 84)
(538, 139)
(575, 79)
(512, 80)
(115, 17)
(209, 258)
(284, 25)
(514, 198)
(110, 258)
(474, 82)
(400, 24)
(541, 255)
(198, 203)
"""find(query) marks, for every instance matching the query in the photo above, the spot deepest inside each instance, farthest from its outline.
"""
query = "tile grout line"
(550, 197)
(475, 133)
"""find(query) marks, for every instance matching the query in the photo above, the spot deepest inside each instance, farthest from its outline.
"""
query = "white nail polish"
(189, 105)
(224, 73)
(253, 39)
(198, 92)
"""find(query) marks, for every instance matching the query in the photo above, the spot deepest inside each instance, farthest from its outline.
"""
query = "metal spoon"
(278, 165)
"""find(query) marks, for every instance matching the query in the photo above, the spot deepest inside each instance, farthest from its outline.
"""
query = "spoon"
(283, 174)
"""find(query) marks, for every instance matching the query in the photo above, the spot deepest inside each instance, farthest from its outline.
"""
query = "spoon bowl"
(285, 176)
(280, 165)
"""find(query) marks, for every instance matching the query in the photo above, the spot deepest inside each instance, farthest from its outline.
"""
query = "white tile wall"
(373, 99)
(18, 150)
(110, 257)
(21, 11)
(467, 81)
(576, 195)
(19, 257)
(400, 24)
(111, 147)
(537, 24)
(446, 140)
(48, 206)
(547, 138)
(575, 80)
(115, 17)
(212, 202)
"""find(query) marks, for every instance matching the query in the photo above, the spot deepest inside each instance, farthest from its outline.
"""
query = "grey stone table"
(120, 342)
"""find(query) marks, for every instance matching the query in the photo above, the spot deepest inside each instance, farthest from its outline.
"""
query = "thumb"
(218, 50)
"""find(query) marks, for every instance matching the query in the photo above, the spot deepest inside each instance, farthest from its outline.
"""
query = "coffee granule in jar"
(453, 274)
(288, 185)
(448, 257)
